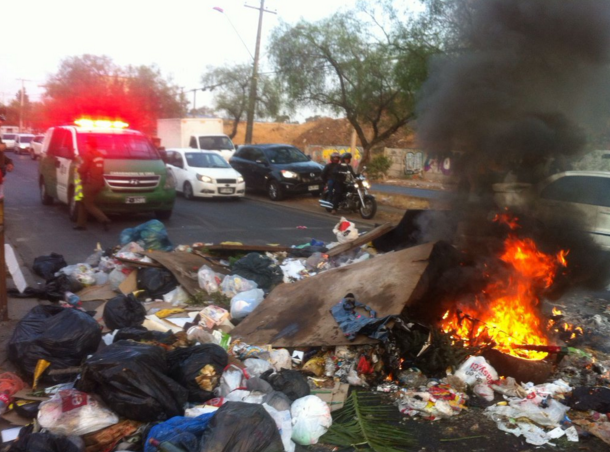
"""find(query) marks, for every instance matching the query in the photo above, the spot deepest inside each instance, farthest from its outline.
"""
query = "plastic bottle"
(9, 385)
(72, 299)
(165, 446)
(329, 366)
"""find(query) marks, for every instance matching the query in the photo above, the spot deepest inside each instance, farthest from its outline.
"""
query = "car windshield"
(215, 143)
(25, 139)
(201, 160)
(9, 136)
(121, 146)
(285, 155)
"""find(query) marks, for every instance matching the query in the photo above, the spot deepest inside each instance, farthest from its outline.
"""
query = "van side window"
(193, 143)
(56, 141)
(66, 149)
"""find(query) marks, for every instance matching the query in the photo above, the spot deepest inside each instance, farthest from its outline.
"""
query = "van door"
(48, 162)
(65, 157)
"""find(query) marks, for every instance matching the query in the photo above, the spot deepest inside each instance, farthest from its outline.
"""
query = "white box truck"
(197, 133)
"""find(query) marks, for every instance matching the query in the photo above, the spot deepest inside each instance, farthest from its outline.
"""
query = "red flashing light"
(87, 123)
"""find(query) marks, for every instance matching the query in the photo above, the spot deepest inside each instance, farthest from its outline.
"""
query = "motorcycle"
(356, 197)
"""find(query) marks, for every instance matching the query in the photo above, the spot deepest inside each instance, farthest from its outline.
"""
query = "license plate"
(135, 200)
(313, 187)
(226, 191)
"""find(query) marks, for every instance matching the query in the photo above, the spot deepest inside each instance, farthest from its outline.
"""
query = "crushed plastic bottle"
(72, 299)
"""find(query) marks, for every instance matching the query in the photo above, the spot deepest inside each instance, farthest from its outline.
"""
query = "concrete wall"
(411, 161)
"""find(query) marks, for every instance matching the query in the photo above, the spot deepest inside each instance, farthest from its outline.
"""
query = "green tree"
(363, 64)
(231, 85)
(95, 86)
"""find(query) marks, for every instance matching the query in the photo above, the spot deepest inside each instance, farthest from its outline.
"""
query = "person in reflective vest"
(91, 172)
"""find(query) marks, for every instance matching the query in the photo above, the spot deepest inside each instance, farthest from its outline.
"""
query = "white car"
(570, 198)
(9, 140)
(36, 146)
(22, 143)
(204, 174)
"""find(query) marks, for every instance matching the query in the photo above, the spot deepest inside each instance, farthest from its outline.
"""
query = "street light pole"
(254, 81)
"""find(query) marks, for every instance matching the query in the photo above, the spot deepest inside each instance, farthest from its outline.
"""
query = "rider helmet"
(335, 157)
(346, 156)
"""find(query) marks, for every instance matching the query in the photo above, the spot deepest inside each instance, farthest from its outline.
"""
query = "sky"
(181, 37)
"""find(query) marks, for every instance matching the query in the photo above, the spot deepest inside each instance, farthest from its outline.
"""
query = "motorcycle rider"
(341, 174)
(328, 176)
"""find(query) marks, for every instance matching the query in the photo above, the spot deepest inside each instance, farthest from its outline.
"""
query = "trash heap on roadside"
(156, 367)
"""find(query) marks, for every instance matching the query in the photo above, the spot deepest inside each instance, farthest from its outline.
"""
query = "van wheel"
(275, 191)
(187, 191)
(44, 196)
(163, 214)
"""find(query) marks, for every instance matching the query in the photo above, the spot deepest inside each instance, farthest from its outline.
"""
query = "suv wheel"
(44, 196)
(274, 190)
(187, 191)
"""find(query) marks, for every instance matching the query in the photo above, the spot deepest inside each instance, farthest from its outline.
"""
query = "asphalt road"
(411, 191)
(34, 230)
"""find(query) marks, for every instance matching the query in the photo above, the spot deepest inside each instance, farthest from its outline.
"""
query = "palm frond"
(366, 421)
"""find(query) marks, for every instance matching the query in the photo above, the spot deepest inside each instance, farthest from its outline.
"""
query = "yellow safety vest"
(78, 188)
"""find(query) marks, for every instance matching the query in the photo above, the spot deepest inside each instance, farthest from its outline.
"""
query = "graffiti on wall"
(321, 154)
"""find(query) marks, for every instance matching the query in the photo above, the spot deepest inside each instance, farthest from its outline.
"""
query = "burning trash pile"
(217, 347)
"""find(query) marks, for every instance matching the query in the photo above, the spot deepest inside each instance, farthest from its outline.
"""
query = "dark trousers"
(339, 189)
(87, 205)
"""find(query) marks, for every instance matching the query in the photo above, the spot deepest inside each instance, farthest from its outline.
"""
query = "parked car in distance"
(36, 146)
(22, 143)
(204, 174)
(9, 140)
(278, 169)
(562, 200)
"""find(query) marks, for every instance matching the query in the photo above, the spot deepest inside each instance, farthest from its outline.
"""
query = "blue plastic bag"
(151, 235)
(180, 431)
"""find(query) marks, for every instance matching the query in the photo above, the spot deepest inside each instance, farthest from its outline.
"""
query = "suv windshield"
(285, 155)
(215, 143)
(121, 146)
(200, 160)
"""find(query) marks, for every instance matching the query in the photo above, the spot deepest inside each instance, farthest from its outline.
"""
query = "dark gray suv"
(279, 169)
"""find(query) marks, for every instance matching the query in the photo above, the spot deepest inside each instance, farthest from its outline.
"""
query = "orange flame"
(506, 313)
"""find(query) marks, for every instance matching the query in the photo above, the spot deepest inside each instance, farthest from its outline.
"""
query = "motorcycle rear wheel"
(369, 208)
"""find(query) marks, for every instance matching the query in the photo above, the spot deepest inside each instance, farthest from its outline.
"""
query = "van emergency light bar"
(100, 124)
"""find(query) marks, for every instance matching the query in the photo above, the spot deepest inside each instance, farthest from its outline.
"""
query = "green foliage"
(202, 298)
(366, 421)
(379, 166)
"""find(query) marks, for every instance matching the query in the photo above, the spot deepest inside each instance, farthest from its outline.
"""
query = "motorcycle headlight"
(240, 180)
(205, 179)
(366, 184)
(289, 174)
(170, 180)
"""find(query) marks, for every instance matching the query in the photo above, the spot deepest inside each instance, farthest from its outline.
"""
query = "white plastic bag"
(83, 273)
(233, 284)
(176, 297)
(280, 359)
(231, 379)
(475, 370)
(256, 367)
(72, 412)
(208, 279)
(310, 419)
(345, 231)
(283, 421)
(244, 303)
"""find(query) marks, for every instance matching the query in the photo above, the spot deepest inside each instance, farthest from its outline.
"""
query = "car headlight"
(170, 180)
(203, 178)
(240, 180)
(289, 174)
(366, 184)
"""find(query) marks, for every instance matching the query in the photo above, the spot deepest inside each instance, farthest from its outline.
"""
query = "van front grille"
(132, 183)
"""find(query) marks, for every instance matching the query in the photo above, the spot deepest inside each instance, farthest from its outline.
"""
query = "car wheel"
(275, 191)
(44, 196)
(163, 214)
(187, 191)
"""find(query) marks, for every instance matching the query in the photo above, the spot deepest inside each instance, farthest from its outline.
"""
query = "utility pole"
(253, 84)
(21, 101)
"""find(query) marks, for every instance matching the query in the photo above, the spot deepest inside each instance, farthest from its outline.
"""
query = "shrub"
(379, 166)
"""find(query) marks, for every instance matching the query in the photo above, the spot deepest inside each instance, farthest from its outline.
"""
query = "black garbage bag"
(123, 311)
(585, 398)
(156, 282)
(43, 442)
(47, 266)
(241, 427)
(259, 268)
(54, 290)
(132, 380)
(290, 382)
(139, 334)
(62, 336)
(204, 363)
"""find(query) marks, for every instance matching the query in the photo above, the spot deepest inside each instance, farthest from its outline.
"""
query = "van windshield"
(121, 146)
(215, 143)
